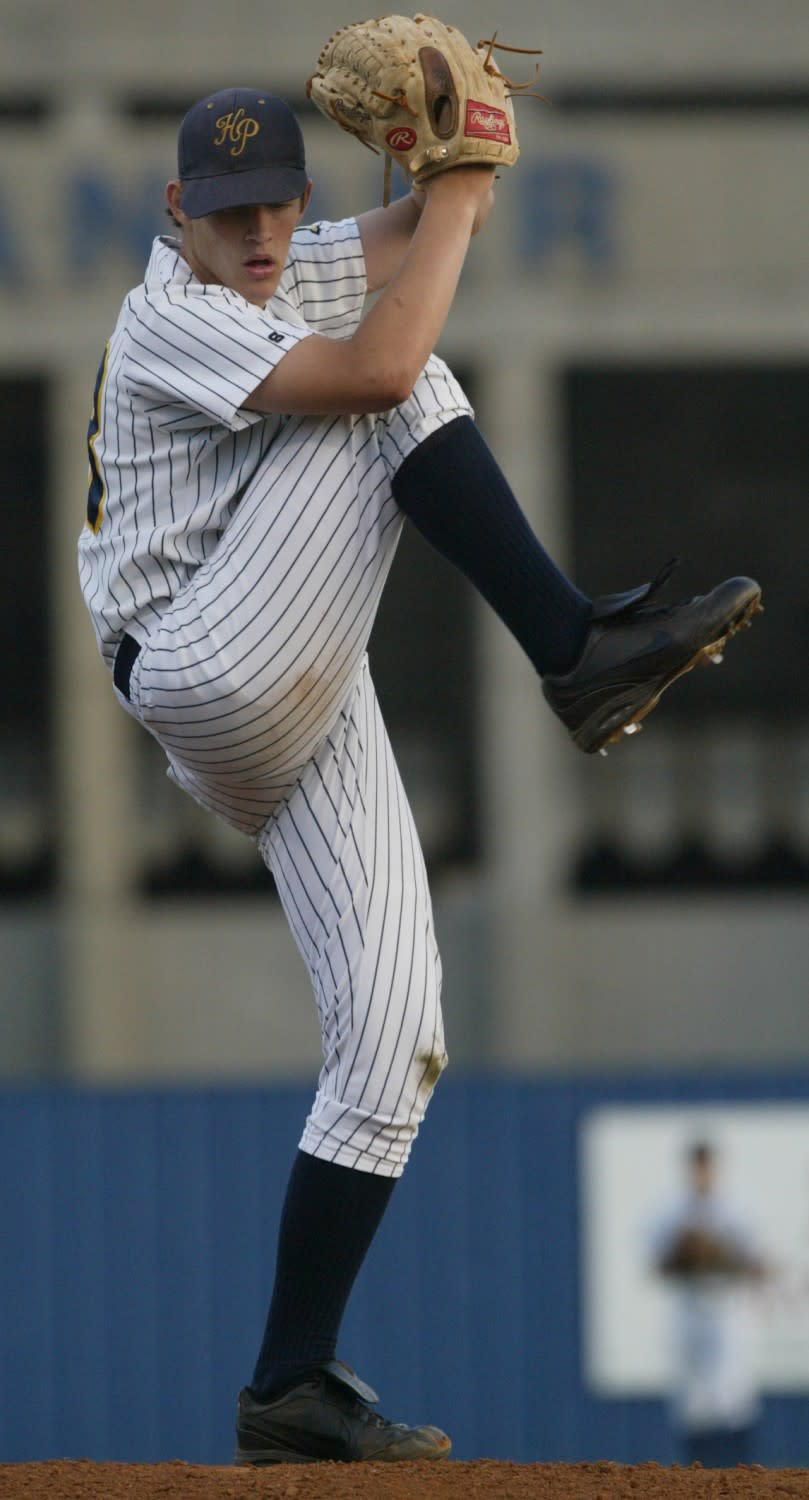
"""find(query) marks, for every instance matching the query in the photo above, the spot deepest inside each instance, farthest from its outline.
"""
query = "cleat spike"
(717, 658)
(602, 751)
(632, 728)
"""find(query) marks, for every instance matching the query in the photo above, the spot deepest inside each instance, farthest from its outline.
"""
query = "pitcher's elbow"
(390, 386)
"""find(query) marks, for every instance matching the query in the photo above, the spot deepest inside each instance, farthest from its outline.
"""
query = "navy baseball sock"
(454, 492)
(329, 1219)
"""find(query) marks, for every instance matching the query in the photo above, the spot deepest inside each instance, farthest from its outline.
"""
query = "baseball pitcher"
(257, 439)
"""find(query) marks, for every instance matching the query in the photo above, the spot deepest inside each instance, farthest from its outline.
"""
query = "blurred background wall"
(633, 327)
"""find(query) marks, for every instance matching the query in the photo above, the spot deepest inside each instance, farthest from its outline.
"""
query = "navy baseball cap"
(236, 147)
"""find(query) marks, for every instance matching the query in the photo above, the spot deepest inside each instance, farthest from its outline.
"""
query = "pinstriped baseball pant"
(256, 684)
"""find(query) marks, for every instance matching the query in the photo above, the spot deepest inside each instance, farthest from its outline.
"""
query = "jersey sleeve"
(325, 279)
(206, 348)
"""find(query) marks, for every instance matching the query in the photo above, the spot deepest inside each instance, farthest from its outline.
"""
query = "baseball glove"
(418, 91)
(696, 1253)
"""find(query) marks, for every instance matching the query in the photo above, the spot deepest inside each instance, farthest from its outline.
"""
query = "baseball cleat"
(327, 1416)
(635, 649)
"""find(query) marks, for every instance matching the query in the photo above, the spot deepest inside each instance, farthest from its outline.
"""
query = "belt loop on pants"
(128, 649)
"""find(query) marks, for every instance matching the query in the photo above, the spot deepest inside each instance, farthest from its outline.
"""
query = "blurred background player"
(706, 1251)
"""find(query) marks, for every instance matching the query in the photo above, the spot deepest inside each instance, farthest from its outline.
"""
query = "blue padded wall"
(137, 1233)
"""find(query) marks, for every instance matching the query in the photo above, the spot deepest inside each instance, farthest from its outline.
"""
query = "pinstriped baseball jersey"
(171, 450)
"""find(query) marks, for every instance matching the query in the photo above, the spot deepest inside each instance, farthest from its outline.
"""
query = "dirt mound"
(481, 1480)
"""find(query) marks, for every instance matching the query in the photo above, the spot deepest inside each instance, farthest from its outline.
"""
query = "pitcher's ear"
(174, 195)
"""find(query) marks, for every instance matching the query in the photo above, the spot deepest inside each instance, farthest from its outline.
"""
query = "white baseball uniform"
(246, 554)
(714, 1377)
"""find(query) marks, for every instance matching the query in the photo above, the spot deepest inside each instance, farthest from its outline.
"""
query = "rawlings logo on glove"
(418, 91)
(491, 124)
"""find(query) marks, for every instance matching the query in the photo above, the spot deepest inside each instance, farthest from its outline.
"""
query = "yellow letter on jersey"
(98, 489)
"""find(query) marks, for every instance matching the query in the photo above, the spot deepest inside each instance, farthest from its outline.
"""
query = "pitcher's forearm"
(400, 332)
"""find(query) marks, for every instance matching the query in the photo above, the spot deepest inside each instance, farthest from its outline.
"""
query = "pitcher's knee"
(438, 390)
(376, 1138)
(437, 398)
(432, 1062)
